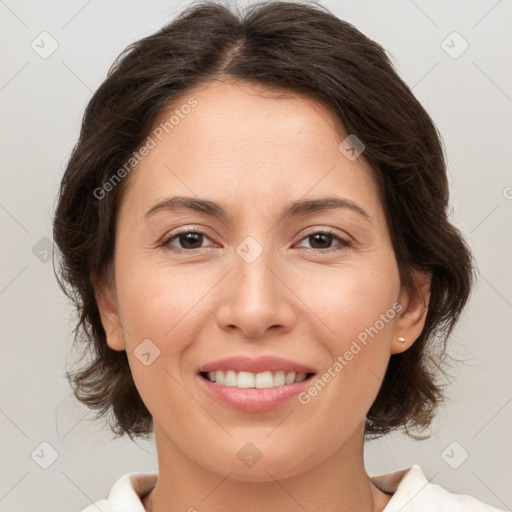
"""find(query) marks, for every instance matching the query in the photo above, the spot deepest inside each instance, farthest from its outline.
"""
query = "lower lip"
(254, 399)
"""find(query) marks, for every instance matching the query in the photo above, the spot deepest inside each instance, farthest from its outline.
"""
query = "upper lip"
(261, 364)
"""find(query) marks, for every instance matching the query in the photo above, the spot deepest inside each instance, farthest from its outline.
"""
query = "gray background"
(42, 101)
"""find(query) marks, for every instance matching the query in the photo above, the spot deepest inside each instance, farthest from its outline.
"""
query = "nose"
(256, 300)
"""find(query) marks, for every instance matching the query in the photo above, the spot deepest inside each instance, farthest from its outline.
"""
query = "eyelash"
(344, 244)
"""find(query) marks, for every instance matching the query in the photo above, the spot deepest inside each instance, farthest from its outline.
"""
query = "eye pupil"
(321, 237)
(189, 239)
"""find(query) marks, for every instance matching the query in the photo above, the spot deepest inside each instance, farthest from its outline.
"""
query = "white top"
(412, 492)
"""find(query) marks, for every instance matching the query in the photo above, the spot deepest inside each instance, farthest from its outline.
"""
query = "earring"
(400, 339)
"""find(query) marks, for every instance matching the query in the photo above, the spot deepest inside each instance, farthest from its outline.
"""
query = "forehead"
(245, 116)
(252, 141)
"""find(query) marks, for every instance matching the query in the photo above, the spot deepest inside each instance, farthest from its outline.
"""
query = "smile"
(261, 380)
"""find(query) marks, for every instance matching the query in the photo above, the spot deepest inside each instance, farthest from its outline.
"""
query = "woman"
(253, 226)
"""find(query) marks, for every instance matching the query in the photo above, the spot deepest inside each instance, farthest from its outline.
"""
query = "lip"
(253, 400)
(242, 363)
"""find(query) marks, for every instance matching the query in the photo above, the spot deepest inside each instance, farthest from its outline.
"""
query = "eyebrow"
(292, 209)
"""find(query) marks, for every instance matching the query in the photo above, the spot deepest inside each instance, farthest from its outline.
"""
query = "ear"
(105, 293)
(411, 319)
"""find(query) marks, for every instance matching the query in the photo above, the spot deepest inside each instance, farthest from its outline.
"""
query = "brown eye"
(188, 240)
(322, 240)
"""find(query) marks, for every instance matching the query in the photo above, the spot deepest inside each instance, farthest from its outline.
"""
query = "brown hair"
(307, 50)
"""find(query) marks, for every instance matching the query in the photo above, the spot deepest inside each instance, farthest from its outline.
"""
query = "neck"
(339, 484)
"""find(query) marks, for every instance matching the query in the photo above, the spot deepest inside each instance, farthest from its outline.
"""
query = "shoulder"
(125, 495)
(412, 492)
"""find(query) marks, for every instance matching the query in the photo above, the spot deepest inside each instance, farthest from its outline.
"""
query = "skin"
(253, 151)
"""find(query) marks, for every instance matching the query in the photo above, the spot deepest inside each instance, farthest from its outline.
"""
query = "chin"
(268, 468)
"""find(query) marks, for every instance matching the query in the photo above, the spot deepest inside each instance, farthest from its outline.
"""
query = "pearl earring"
(400, 339)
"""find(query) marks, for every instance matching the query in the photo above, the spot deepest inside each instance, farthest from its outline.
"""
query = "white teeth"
(290, 378)
(230, 378)
(255, 380)
(245, 380)
(280, 378)
(264, 380)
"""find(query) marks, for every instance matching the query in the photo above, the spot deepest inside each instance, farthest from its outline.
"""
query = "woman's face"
(255, 282)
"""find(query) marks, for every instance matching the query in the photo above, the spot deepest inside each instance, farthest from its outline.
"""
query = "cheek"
(352, 297)
(164, 306)
(157, 301)
(355, 310)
